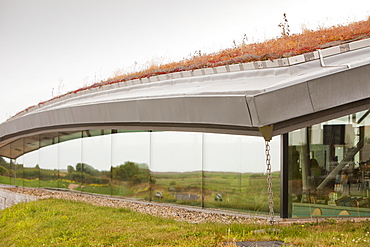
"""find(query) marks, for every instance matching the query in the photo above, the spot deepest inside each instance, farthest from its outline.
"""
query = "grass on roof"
(281, 47)
(285, 46)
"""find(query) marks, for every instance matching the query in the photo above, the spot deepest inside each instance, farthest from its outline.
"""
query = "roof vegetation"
(285, 46)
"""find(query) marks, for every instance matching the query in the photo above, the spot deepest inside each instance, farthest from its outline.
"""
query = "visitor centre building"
(198, 137)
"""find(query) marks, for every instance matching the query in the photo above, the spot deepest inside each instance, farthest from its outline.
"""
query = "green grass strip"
(55, 222)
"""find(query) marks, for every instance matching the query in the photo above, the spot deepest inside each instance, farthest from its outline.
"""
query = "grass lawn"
(53, 222)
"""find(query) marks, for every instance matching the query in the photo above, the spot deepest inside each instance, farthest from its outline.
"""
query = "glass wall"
(6, 170)
(31, 169)
(17, 164)
(329, 168)
(176, 167)
(48, 166)
(70, 161)
(130, 174)
(48, 160)
(207, 170)
(95, 169)
(235, 173)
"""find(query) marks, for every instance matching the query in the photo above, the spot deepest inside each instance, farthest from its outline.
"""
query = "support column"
(305, 163)
(285, 200)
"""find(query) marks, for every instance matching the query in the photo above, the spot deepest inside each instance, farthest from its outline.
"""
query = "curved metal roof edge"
(293, 96)
(282, 62)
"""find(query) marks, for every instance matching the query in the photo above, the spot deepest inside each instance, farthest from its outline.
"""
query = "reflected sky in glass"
(133, 146)
(48, 157)
(96, 151)
(162, 151)
(176, 152)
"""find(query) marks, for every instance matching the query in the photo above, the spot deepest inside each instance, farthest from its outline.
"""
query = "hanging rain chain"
(269, 183)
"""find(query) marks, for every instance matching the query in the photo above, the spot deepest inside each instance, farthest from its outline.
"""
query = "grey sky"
(51, 47)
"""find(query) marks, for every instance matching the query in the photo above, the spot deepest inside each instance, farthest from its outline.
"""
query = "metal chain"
(269, 183)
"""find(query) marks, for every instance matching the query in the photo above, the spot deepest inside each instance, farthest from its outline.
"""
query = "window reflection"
(176, 167)
(210, 170)
(234, 173)
(48, 165)
(5, 169)
(69, 161)
(95, 169)
(16, 149)
(130, 173)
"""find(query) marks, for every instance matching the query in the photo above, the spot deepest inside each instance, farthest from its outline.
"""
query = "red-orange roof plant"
(284, 46)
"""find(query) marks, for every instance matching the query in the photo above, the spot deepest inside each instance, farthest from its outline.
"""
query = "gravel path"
(180, 213)
(177, 212)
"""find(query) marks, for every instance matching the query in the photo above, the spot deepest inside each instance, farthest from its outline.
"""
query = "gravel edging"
(179, 213)
(189, 214)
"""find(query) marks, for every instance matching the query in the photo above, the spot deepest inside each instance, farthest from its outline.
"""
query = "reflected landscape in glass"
(206, 170)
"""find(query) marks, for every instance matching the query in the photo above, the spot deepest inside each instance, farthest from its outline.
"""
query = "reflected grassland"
(217, 189)
(242, 191)
(246, 191)
(130, 179)
(31, 176)
(177, 187)
(5, 179)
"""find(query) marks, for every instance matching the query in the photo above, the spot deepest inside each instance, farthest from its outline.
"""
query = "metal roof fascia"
(258, 109)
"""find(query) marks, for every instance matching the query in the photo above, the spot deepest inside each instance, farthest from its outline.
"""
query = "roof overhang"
(288, 93)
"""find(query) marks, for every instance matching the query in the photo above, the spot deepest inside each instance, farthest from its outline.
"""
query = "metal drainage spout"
(266, 132)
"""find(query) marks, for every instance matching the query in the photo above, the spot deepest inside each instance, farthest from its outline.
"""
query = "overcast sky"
(49, 47)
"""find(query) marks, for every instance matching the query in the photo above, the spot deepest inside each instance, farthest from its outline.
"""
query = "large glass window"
(96, 161)
(5, 169)
(329, 168)
(16, 148)
(48, 167)
(31, 169)
(210, 170)
(176, 167)
(70, 160)
(235, 173)
(130, 164)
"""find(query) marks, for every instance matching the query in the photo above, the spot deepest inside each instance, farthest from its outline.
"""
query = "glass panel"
(69, 161)
(31, 143)
(234, 172)
(16, 150)
(96, 163)
(130, 164)
(48, 139)
(97, 132)
(31, 169)
(48, 164)
(176, 167)
(5, 151)
(5, 168)
(222, 171)
(69, 135)
(330, 168)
